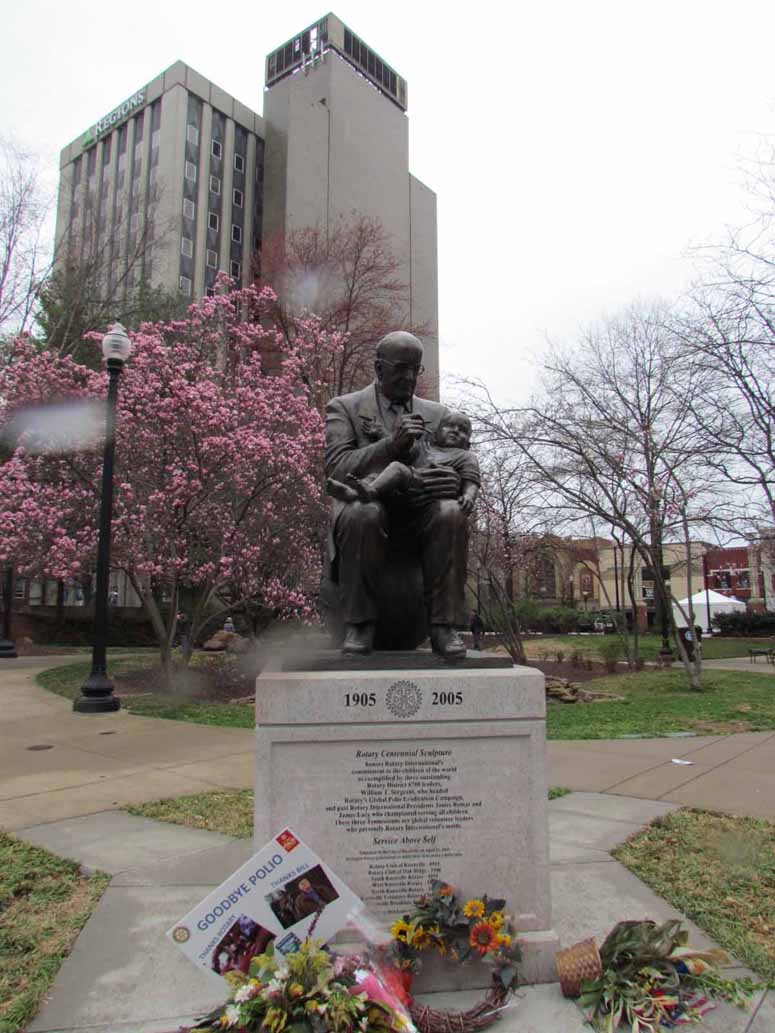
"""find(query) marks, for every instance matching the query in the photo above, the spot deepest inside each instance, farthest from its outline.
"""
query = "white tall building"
(182, 181)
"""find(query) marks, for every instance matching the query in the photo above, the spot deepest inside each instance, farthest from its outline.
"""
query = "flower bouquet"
(309, 991)
(651, 978)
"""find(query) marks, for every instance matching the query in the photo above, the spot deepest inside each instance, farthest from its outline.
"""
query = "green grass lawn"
(659, 702)
(547, 647)
(719, 871)
(44, 903)
(654, 703)
(228, 811)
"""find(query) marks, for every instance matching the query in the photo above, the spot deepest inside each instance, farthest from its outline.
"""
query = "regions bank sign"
(116, 117)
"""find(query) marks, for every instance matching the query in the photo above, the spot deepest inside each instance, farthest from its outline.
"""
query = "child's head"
(454, 431)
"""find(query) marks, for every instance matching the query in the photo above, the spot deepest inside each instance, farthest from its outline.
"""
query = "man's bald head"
(398, 339)
(398, 364)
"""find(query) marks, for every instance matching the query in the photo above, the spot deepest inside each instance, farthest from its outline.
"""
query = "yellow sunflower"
(496, 918)
(421, 939)
(399, 930)
(473, 908)
(483, 937)
(502, 940)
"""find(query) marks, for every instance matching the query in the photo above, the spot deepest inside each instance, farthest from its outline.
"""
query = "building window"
(190, 172)
(186, 246)
(212, 259)
(239, 162)
(213, 220)
(189, 209)
(192, 135)
(236, 233)
(238, 197)
(215, 185)
(216, 149)
(236, 270)
(185, 285)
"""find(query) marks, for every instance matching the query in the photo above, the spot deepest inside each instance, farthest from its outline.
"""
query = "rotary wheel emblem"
(403, 698)
(181, 934)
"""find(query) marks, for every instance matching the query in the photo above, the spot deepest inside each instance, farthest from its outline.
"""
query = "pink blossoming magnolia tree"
(217, 487)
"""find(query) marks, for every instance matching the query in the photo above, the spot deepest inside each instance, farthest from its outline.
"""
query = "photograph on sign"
(242, 941)
(302, 896)
(275, 897)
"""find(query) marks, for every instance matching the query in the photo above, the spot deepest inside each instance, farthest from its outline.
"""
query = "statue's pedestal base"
(397, 777)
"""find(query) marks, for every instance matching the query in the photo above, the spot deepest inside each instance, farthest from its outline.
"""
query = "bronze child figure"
(449, 447)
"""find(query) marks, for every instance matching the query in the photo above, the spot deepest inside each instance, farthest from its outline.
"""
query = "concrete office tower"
(166, 188)
(172, 186)
(337, 141)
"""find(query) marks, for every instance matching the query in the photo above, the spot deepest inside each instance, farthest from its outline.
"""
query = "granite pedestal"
(399, 777)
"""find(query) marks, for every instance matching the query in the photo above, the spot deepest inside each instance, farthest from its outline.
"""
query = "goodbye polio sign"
(273, 898)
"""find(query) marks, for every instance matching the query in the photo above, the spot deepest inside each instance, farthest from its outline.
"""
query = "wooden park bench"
(769, 653)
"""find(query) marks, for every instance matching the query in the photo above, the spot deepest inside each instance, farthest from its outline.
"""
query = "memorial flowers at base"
(309, 991)
(652, 980)
(478, 930)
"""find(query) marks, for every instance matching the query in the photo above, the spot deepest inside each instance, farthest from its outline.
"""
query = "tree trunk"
(634, 605)
(162, 632)
(167, 666)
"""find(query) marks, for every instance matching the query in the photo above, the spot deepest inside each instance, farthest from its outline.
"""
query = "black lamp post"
(7, 647)
(97, 691)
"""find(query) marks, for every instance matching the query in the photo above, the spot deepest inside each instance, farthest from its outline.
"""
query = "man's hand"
(409, 428)
(437, 482)
(466, 504)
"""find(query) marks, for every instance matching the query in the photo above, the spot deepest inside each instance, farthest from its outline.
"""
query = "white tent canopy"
(707, 604)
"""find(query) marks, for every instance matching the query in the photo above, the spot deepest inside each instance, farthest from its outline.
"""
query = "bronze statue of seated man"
(422, 500)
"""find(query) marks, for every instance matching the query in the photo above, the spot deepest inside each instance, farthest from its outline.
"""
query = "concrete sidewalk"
(57, 764)
(64, 776)
(125, 976)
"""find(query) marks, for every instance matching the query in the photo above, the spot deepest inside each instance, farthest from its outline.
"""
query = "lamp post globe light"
(97, 691)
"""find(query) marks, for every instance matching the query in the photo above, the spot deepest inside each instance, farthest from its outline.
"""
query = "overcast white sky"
(577, 147)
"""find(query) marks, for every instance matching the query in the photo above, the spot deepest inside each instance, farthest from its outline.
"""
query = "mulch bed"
(571, 673)
(219, 682)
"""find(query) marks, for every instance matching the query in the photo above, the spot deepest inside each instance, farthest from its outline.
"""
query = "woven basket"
(577, 964)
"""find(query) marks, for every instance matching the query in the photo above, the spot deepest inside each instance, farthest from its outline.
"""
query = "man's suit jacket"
(358, 442)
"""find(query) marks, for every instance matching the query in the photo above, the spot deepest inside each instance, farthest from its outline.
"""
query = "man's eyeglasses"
(403, 367)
